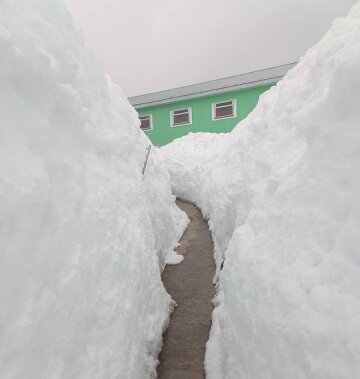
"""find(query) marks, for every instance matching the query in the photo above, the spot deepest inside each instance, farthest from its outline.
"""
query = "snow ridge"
(282, 196)
(83, 236)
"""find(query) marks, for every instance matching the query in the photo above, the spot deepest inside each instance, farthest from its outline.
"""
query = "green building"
(215, 106)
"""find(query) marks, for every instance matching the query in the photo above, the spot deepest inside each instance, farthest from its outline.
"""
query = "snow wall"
(282, 195)
(83, 235)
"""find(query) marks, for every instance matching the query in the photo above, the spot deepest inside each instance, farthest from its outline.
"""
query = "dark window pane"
(145, 123)
(224, 112)
(181, 119)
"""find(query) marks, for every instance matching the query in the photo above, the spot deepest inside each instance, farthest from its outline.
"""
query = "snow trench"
(281, 193)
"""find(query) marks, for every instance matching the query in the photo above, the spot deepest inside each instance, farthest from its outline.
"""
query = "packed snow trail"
(190, 285)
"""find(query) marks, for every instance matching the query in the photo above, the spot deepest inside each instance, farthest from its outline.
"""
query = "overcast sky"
(150, 45)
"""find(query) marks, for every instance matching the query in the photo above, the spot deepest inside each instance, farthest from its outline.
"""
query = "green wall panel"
(163, 133)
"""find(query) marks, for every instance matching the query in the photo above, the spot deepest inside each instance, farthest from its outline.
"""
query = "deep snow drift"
(83, 236)
(282, 195)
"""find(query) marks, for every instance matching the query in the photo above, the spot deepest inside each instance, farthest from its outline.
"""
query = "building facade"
(216, 106)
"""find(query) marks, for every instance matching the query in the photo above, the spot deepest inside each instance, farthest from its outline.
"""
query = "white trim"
(234, 103)
(151, 121)
(189, 109)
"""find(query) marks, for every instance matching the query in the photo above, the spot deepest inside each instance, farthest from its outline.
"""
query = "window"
(225, 109)
(146, 122)
(181, 117)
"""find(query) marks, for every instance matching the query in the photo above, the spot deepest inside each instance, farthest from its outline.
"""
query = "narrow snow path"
(190, 285)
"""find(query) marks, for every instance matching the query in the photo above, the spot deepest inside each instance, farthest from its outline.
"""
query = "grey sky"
(150, 45)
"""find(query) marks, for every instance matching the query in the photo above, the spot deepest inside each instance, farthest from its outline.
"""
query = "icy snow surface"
(282, 193)
(83, 236)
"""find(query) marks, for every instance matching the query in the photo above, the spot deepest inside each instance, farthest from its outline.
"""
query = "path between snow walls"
(190, 284)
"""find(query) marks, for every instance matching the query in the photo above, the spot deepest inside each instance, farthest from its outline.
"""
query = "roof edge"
(211, 91)
(197, 95)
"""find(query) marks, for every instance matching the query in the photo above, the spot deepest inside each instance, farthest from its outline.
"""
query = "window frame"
(173, 125)
(234, 104)
(150, 119)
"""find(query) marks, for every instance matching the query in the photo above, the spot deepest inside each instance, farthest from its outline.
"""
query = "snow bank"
(282, 195)
(83, 236)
